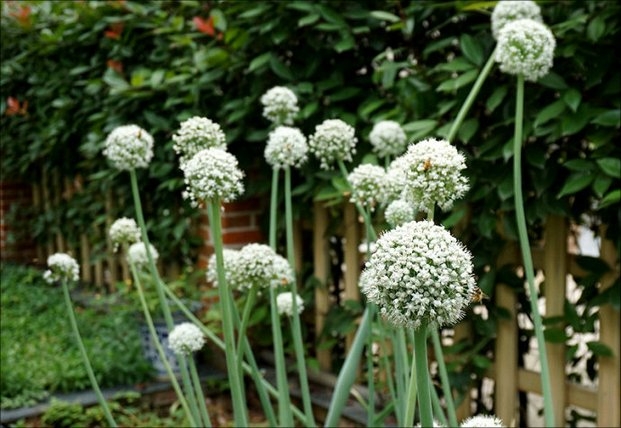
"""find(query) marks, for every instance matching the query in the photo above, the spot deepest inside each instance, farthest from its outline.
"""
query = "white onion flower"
(395, 178)
(332, 141)
(525, 47)
(212, 173)
(432, 171)
(368, 185)
(137, 254)
(231, 270)
(124, 231)
(419, 274)
(280, 105)
(196, 134)
(286, 147)
(482, 421)
(399, 212)
(128, 147)
(284, 303)
(388, 138)
(507, 11)
(260, 266)
(185, 338)
(62, 267)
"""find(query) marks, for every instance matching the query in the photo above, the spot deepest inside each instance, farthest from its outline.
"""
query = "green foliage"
(39, 354)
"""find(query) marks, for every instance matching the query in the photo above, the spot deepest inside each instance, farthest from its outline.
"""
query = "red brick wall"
(14, 196)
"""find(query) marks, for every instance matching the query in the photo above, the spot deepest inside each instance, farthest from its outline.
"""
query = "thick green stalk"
(437, 408)
(85, 359)
(370, 364)
(548, 408)
(446, 386)
(198, 390)
(235, 379)
(386, 367)
(252, 294)
(295, 318)
(410, 404)
(471, 97)
(401, 364)
(422, 376)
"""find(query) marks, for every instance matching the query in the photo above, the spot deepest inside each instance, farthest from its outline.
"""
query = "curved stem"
(252, 294)
(410, 403)
(548, 409)
(422, 376)
(284, 402)
(198, 390)
(85, 359)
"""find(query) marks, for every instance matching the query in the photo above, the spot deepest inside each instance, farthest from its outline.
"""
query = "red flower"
(115, 65)
(22, 14)
(13, 107)
(203, 26)
(114, 31)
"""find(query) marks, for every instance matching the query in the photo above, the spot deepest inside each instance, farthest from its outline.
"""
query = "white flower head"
(137, 254)
(368, 185)
(230, 258)
(124, 231)
(507, 11)
(284, 302)
(196, 134)
(432, 171)
(395, 178)
(128, 147)
(419, 274)
(399, 212)
(62, 267)
(260, 266)
(525, 47)
(332, 141)
(185, 338)
(213, 173)
(388, 138)
(280, 105)
(286, 147)
(482, 421)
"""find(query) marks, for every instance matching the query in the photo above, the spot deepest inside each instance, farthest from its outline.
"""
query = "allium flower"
(525, 47)
(185, 338)
(388, 138)
(137, 254)
(124, 231)
(286, 147)
(280, 105)
(196, 134)
(432, 171)
(260, 266)
(62, 267)
(129, 147)
(395, 178)
(482, 421)
(507, 11)
(284, 302)
(419, 275)
(399, 212)
(213, 173)
(368, 185)
(333, 140)
(231, 269)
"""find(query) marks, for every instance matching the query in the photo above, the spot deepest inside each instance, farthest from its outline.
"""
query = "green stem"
(370, 381)
(422, 376)
(85, 359)
(250, 299)
(401, 375)
(437, 408)
(446, 386)
(548, 409)
(386, 367)
(410, 403)
(471, 97)
(198, 390)
(235, 378)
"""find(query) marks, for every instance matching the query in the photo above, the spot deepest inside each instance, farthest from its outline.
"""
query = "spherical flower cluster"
(260, 266)
(399, 212)
(332, 141)
(388, 138)
(280, 105)
(419, 275)
(196, 134)
(62, 267)
(129, 147)
(231, 271)
(284, 303)
(124, 231)
(286, 147)
(213, 173)
(481, 421)
(525, 47)
(432, 171)
(185, 338)
(137, 254)
(507, 11)
(368, 185)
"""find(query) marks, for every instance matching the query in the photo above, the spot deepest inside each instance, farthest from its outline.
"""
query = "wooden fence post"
(351, 259)
(321, 258)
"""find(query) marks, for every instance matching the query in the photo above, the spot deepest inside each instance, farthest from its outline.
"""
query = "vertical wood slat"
(352, 260)
(85, 255)
(321, 265)
(609, 389)
(555, 270)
